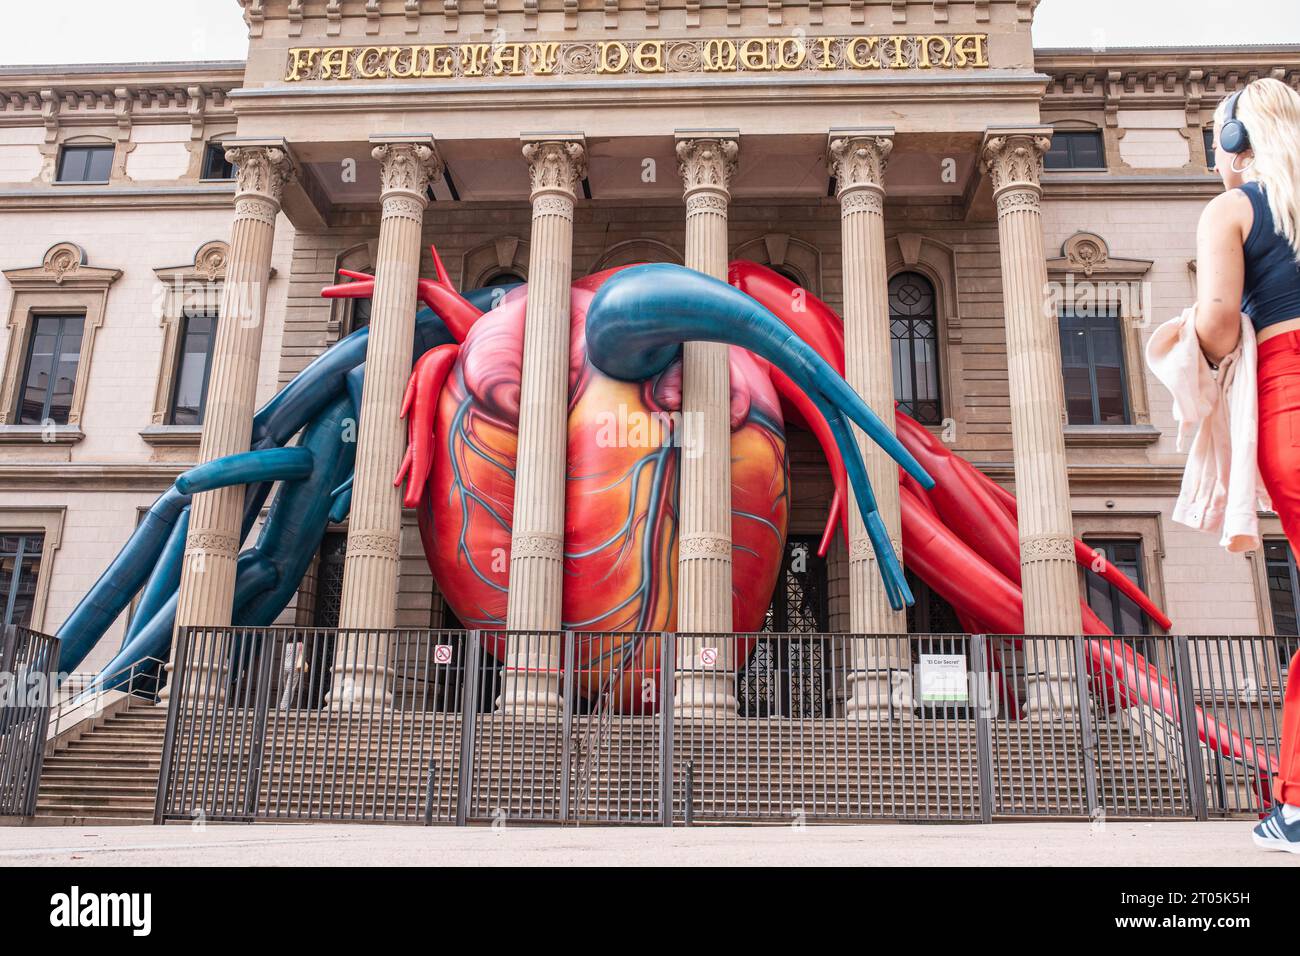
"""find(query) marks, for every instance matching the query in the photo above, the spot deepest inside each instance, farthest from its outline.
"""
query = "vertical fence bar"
(469, 725)
(1195, 767)
(981, 701)
(169, 736)
(1088, 737)
(570, 692)
(667, 692)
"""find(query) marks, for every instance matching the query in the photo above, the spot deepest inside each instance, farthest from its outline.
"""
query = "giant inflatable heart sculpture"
(625, 441)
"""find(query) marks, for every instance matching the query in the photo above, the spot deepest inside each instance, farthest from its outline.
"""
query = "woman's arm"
(1221, 273)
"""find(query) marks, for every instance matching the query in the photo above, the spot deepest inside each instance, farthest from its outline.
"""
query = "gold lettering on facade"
(370, 63)
(858, 53)
(623, 58)
(441, 61)
(790, 54)
(930, 45)
(474, 58)
(648, 56)
(543, 57)
(336, 63)
(753, 55)
(719, 56)
(969, 50)
(613, 57)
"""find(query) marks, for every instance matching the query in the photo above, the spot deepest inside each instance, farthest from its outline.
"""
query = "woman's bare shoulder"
(1230, 210)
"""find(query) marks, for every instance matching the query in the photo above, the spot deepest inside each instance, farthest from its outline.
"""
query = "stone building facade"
(114, 196)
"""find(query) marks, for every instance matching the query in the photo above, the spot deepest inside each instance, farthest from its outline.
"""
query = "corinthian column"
(212, 546)
(1014, 160)
(881, 668)
(556, 167)
(369, 599)
(706, 682)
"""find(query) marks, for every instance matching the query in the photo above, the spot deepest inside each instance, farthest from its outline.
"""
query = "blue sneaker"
(1274, 833)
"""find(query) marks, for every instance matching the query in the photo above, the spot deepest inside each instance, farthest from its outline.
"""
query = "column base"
(361, 687)
(880, 695)
(528, 695)
(708, 698)
(1049, 696)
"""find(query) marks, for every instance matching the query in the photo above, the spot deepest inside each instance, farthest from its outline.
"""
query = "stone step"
(79, 812)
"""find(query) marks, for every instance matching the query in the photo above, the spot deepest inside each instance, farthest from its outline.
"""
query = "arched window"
(914, 339)
(788, 273)
(503, 278)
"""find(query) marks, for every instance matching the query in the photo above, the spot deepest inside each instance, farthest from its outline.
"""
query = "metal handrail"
(100, 687)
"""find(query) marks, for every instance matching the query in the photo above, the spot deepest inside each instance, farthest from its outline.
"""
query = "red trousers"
(1279, 463)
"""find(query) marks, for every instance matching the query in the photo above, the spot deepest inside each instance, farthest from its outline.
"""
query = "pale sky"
(98, 31)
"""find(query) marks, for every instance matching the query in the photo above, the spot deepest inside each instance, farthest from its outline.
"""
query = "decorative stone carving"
(705, 546)
(538, 545)
(707, 163)
(407, 168)
(1086, 252)
(210, 261)
(859, 162)
(264, 171)
(556, 166)
(1015, 161)
(63, 259)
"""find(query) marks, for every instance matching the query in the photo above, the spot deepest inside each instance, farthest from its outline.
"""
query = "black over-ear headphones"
(1234, 137)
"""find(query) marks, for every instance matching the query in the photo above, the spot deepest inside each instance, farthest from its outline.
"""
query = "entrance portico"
(900, 122)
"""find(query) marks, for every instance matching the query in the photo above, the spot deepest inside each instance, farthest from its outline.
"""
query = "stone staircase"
(315, 764)
(107, 777)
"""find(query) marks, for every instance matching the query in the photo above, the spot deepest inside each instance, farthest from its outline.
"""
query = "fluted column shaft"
(704, 601)
(207, 587)
(1049, 577)
(370, 571)
(881, 668)
(536, 599)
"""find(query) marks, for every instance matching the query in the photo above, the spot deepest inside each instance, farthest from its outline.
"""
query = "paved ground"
(1033, 844)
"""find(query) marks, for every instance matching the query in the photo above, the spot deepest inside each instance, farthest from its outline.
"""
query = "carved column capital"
(556, 166)
(1014, 161)
(406, 169)
(263, 172)
(859, 162)
(707, 164)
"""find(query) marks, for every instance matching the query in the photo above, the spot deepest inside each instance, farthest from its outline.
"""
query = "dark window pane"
(20, 568)
(1116, 609)
(503, 278)
(85, 164)
(1092, 364)
(215, 164)
(1209, 147)
(360, 314)
(193, 369)
(1076, 150)
(1282, 586)
(51, 370)
(913, 330)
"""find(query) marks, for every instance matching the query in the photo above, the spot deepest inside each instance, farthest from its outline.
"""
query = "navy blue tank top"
(1272, 273)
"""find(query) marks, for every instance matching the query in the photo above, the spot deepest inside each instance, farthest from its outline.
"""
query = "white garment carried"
(1222, 489)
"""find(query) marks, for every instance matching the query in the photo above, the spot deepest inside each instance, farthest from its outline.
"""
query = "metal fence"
(563, 727)
(29, 665)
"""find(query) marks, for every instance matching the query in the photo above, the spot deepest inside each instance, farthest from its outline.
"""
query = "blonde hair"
(1270, 111)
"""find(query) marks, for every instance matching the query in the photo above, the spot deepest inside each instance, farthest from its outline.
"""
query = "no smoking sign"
(709, 656)
(442, 654)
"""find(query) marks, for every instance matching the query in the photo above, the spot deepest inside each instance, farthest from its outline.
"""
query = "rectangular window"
(1076, 150)
(1092, 361)
(1283, 586)
(85, 164)
(215, 164)
(50, 372)
(1209, 147)
(360, 314)
(1116, 610)
(20, 568)
(190, 390)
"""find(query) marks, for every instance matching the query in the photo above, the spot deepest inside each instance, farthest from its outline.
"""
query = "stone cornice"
(110, 95)
(41, 199)
(42, 476)
(470, 16)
